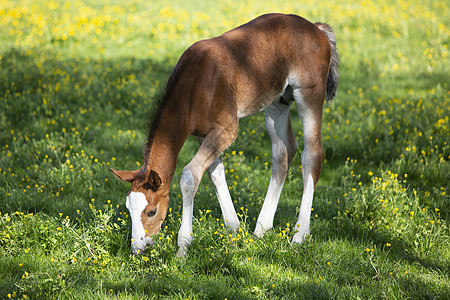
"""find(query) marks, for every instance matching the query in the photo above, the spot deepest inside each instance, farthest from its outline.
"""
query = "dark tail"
(333, 75)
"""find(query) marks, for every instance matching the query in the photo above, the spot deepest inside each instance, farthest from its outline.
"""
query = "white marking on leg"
(217, 175)
(136, 203)
(187, 184)
(302, 225)
(267, 213)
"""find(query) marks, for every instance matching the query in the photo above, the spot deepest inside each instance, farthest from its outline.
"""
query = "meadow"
(77, 81)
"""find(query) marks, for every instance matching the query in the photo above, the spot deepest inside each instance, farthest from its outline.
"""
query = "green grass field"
(77, 80)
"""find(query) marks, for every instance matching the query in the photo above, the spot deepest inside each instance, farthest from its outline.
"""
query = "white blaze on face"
(136, 203)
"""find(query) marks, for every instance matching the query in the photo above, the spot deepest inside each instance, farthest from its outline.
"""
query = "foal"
(265, 64)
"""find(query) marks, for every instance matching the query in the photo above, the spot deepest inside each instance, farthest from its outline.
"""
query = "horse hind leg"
(283, 150)
(309, 104)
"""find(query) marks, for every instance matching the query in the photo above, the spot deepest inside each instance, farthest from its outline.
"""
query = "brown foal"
(266, 64)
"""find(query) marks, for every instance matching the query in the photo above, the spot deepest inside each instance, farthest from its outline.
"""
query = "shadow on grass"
(240, 283)
(55, 109)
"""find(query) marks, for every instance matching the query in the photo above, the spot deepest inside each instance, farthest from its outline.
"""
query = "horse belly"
(248, 106)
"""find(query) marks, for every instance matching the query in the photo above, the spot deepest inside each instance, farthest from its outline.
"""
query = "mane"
(159, 105)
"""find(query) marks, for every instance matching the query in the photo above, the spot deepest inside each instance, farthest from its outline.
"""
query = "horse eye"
(151, 213)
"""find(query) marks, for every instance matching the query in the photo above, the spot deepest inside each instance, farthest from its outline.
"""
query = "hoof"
(260, 230)
(182, 252)
(299, 237)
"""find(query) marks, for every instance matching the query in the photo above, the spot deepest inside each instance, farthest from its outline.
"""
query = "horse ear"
(129, 176)
(154, 180)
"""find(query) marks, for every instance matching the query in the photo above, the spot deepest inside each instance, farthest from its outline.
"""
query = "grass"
(76, 83)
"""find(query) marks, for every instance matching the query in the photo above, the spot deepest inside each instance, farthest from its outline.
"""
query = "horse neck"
(167, 140)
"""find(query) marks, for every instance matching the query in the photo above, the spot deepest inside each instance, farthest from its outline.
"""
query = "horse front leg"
(214, 143)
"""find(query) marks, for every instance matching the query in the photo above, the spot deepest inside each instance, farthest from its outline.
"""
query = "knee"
(187, 182)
